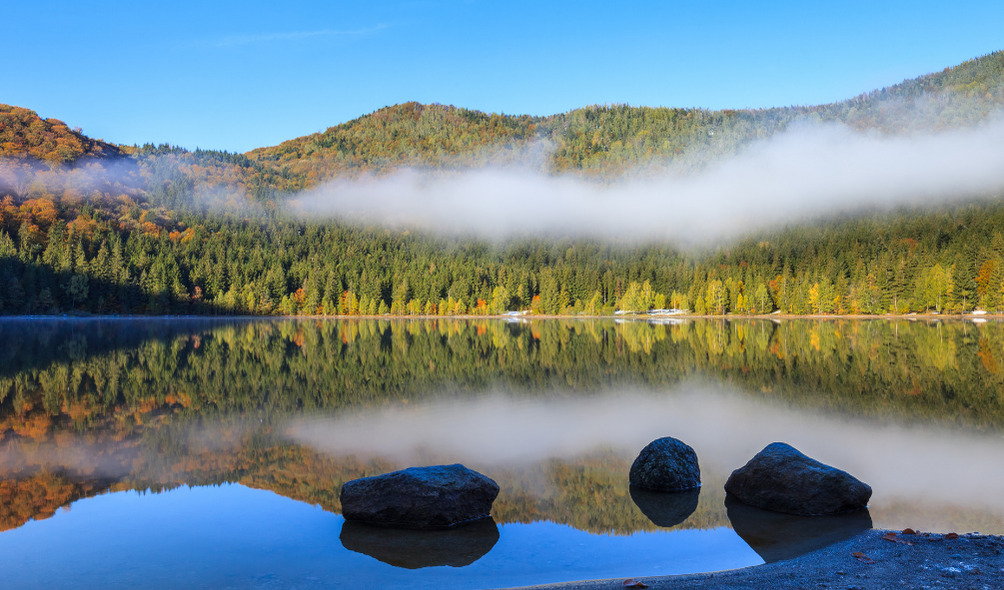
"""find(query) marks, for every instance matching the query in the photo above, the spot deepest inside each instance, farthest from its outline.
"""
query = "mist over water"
(906, 466)
(805, 172)
(108, 458)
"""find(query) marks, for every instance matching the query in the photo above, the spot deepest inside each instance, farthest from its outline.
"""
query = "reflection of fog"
(90, 458)
(952, 473)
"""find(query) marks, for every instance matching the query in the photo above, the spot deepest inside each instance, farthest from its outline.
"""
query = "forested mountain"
(90, 227)
(614, 138)
(408, 134)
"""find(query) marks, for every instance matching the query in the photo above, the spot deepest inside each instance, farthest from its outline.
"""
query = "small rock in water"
(666, 465)
(435, 497)
(782, 479)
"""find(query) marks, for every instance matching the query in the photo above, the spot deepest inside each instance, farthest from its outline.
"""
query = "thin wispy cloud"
(293, 36)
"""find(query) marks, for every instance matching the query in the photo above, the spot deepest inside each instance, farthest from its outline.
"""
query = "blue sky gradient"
(239, 75)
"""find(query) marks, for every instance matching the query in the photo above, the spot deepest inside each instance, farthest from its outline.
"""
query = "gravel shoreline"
(872, 560)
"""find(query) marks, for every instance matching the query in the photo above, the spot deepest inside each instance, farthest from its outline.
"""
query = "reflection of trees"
(947, 369)
(129, 405)
(39, 496)
(590, 493)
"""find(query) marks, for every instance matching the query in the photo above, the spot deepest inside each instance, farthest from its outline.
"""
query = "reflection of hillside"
(132, 414)
(590, 493)
(38, 497)
(35, 344)
(942, 372)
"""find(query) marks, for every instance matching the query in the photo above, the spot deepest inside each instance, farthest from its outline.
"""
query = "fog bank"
(808, 171)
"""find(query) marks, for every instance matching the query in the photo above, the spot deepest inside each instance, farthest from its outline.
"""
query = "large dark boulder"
(782, 479)
(666, 465)
(435, 497)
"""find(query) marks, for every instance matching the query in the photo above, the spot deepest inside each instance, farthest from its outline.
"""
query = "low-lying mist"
(701, 198)
(806, 172)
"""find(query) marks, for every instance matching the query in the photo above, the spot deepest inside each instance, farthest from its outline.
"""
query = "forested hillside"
(26, 136)
(408, 134)
(612, 139)
(90, 227)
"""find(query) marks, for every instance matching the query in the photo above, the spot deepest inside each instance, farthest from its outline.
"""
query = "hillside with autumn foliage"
(26, 136)
(88, 227)
(409, 134)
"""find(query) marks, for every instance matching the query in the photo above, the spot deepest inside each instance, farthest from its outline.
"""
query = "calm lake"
(198, 453)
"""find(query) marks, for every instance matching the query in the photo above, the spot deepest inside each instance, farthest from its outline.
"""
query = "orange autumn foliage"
(36, 497)
(41, 211)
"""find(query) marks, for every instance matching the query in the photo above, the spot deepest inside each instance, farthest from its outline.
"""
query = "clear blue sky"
(239, 75)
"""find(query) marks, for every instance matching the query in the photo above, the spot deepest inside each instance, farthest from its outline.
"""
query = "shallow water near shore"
(232, 536)
(205, 453)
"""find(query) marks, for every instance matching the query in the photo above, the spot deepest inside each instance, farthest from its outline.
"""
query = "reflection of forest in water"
(89, 406)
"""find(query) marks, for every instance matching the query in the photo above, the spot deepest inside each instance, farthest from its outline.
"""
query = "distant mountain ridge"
(408, 134)
(612, 139)
(595, 140)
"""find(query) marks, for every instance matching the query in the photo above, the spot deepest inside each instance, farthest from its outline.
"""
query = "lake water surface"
(201, 453)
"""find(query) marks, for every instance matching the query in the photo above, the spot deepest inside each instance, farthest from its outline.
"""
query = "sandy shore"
(872, 560)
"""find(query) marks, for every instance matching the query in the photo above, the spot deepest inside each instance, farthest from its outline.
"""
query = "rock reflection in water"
(776, 536)
(666, 509)
(414, 549)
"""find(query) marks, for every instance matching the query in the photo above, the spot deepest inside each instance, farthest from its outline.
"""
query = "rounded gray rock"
(434, 497)
(666, 465)
(782, 479)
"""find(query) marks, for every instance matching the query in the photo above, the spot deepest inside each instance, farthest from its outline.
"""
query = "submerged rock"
(435, 497)
(782, 479)
(666, 465)
(414, 549)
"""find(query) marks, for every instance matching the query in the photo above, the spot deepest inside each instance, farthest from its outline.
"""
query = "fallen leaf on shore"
(952, 536)
(862, 557)
(891, 536)
(629, 583)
